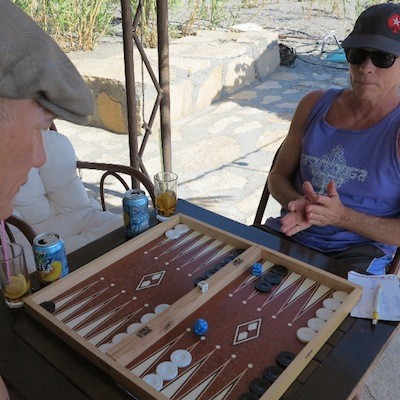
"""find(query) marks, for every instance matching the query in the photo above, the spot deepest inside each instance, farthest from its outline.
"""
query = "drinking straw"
(4, 247)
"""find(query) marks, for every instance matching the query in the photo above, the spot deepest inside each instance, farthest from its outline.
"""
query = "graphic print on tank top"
(331, 166)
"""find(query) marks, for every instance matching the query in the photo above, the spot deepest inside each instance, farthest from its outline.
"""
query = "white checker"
(105, 347)
(167, 370)
(340, 295)
(315, 324)
(181, 358)
(324, 313)
(119, 337)
(305, 334)
(331, 304)
(133, 327)
(147, 317)
(172, 234)
(154, 380)
(160, 308)
(182, 228)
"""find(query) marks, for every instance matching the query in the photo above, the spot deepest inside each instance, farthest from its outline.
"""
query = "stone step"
(203, 69)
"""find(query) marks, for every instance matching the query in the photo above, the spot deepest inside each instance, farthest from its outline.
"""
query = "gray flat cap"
(32, 66)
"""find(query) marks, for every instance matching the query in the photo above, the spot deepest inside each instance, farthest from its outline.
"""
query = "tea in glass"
(165, 186)
(14, 276)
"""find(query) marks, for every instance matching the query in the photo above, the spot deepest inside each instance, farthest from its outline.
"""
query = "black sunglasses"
(379, 58)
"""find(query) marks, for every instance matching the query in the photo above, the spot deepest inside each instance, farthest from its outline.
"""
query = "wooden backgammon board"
(135, 312)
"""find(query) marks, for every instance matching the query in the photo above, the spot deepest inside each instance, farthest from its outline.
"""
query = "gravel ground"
(313, 19)
(307, 27)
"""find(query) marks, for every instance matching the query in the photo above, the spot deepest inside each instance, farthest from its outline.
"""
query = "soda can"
(136, 212)
(50, 257)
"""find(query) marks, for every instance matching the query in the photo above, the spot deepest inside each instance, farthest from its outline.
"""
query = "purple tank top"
(364, 164)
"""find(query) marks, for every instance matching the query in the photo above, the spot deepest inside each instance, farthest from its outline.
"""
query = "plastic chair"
(258, 219)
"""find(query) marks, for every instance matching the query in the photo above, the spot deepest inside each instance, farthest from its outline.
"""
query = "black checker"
(263, 286)
(220, 265)
(284, 358)
(199, 279)
(259, 386)
(248, 396)
(49, 306)
(279, 269)
(210, 272)
(228, 259)
(272, 373)
(236, 252)
(272, 278)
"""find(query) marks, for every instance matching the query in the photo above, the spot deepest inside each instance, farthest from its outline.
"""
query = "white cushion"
(55, 200)
(31, 201)
(78, 228)
(63, 186)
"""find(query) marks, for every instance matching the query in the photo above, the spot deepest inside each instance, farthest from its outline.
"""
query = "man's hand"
(326, 210)
(313, 209)
(296, 220)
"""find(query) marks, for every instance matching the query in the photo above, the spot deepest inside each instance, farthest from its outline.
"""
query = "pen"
(375, 311)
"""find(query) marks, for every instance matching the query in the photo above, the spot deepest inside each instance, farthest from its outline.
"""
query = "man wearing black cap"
(337, 174)
(37, 84)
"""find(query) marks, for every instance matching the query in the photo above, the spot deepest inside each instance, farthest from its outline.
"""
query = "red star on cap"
(394, 23)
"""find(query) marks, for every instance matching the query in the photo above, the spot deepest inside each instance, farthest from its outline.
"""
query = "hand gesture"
(326, 210)
(313, 209)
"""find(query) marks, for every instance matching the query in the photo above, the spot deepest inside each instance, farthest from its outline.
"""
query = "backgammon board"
(135, 313)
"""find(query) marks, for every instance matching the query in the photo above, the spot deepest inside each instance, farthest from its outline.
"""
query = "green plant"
(361, 5)
(74, 24)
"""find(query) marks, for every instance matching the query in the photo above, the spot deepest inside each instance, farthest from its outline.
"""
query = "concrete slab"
(200, 73)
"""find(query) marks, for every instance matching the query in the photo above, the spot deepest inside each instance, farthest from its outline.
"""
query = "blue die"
(257, 269)
(200, 327)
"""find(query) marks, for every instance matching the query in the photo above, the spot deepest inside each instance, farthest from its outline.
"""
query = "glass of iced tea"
(14, 276)
(165, 186)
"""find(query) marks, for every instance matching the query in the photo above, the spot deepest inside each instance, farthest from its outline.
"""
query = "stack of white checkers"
(306, 333)
(133, 327)
(168, 370)
(178, 231)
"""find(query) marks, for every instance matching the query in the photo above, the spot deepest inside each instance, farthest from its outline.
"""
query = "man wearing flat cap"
(37, 84)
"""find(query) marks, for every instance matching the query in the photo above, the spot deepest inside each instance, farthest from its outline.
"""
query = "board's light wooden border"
(114, 361)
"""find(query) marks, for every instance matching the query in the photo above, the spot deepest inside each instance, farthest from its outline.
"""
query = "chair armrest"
(24, 227)
(115, 170)
(395, 264)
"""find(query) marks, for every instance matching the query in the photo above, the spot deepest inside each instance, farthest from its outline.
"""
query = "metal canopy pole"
(130, 87)
(164, 78)
(164, 85)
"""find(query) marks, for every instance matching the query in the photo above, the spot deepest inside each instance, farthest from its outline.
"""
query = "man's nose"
(39, 155)
(367, 65)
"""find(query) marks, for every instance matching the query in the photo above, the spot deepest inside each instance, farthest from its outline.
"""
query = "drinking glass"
(165, 186)
(14, 276)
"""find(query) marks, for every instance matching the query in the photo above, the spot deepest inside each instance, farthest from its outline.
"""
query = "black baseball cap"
(377, 28)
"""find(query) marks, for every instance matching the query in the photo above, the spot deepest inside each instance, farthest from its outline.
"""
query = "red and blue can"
(136, 212)
(50, 258)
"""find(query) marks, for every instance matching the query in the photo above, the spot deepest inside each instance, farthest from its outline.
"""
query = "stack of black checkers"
(259, 386)
(271, 278)
(231, 256)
